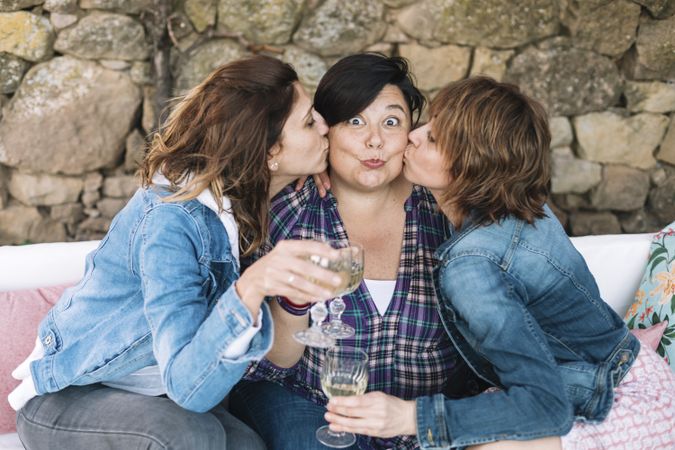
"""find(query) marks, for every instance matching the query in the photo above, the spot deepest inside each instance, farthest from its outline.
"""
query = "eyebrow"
(395, 106)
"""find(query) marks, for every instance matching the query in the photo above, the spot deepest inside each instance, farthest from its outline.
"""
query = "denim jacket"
(159, 289)
(521, 306)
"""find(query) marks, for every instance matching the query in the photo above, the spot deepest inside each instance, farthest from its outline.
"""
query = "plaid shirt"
(409, 352)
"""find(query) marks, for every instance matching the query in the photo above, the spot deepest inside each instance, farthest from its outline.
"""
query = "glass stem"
(318, 313)
(337, 307)
(336, 434)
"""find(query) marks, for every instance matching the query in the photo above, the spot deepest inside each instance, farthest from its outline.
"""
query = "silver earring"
(274, 166)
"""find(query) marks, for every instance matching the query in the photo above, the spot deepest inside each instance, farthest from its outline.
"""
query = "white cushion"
(10, 441)
(617, 261)
(42, 265)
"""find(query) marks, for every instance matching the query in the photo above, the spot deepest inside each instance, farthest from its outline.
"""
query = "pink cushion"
(651, 335)
(20, 315)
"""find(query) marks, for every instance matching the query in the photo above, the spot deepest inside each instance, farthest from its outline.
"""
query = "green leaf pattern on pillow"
(655, 298)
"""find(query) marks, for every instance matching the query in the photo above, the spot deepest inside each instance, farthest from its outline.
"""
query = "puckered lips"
(373, 163)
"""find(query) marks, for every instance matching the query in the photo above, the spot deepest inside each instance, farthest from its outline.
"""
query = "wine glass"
(341, 265)
(336, 328)
(344, 372)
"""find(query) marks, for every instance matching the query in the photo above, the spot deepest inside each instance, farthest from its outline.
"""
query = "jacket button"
(624, 357)
(48, 340)
(430, 436)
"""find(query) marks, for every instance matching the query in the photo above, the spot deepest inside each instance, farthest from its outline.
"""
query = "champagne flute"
(336, 328)
(314, 336)
(344, 372)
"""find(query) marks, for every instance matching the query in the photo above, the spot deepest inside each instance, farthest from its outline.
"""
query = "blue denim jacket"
(159, 289)
(521, 306)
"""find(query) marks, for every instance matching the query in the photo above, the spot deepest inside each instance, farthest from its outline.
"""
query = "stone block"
(44, 189)
(614, 138)
(567, 80)
(593, 223)
(104, 36)
(491, 63)
(571, 174)
(621, 189)
(486, 23)
(651, 96)
(336, 27)
(436, 67)
(26, 35)
(120, 187)
(666, 151)
(55, 121)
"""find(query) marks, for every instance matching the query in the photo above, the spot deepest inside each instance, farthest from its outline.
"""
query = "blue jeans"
(96, 417)
(283, 419)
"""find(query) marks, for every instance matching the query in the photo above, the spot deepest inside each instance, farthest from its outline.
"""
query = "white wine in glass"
(344, 372)
(314, 336)
(336, 328)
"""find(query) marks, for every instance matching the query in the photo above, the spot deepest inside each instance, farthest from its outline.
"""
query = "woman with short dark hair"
(371, 103)
(517, 299)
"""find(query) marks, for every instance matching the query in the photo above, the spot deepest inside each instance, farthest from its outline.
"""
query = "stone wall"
(82, 84)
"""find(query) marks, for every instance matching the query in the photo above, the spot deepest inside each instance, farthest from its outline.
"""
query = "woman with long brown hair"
(162, 326)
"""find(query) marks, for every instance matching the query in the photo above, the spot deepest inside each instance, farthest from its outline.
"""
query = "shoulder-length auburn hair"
(496, 142)
(218, 136)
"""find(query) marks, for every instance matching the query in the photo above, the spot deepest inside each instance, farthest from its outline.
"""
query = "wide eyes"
(388, 122)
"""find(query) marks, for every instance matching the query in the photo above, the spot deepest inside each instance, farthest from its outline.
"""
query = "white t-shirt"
(381, 292)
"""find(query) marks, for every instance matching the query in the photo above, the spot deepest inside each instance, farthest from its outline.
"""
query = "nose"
(374, 139)
(414, 136)
(321, 125)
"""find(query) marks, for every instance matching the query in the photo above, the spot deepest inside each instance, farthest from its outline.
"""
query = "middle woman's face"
(366, 151)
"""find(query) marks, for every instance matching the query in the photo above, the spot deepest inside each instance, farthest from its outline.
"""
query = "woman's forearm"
(286, 351)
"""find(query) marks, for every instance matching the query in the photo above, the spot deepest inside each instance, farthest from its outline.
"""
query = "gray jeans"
(97, 417)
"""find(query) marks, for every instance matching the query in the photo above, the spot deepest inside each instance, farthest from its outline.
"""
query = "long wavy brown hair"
(496, 143)
(218, 136)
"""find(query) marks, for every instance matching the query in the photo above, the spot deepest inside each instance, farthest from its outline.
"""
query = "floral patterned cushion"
(655, 298)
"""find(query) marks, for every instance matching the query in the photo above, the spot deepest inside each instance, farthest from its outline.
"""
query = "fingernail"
(337, 280)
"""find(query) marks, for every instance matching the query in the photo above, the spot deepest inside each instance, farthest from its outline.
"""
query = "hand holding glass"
(341, 265)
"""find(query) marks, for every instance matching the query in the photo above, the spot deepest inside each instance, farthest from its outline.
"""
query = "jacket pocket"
(134, 357)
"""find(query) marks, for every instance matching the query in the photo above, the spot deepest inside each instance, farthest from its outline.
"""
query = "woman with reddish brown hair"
(517, 299)
(141, 353)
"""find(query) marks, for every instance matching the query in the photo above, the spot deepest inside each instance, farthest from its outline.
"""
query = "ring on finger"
(291, 278)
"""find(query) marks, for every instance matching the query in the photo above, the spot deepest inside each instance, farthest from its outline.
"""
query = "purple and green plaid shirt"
(409, 352)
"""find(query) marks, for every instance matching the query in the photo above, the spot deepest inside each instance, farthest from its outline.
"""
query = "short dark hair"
(495, 141)
(353, 82)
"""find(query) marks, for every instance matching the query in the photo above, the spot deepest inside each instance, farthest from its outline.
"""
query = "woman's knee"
(105, 418)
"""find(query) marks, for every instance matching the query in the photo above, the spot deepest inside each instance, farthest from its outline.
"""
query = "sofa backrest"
(616, 261)
(42, 265)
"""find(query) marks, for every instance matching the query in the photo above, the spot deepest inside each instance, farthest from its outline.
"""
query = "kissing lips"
(373, 163)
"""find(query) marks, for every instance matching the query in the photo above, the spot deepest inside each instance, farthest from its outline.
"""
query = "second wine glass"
(341, 265)
(336, 328)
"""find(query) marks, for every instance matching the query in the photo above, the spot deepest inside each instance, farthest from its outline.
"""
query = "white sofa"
(616, 261)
